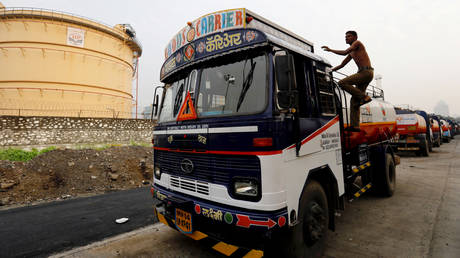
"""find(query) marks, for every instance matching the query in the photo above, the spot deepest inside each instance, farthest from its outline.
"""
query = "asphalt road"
(422, 219)
(38, 231)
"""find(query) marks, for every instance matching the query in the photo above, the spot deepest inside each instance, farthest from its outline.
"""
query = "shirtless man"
(361, 79)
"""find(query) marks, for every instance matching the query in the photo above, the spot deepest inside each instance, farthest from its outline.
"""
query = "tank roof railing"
(64, 16)
(374, 91)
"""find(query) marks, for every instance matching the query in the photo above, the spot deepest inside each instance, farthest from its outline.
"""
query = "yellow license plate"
(184, 221)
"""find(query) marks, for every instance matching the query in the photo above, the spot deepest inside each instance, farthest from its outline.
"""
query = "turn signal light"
(248, 19)
(262, 142)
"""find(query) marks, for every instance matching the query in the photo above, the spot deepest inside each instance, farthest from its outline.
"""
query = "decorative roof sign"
(211, 45)
(205, 25)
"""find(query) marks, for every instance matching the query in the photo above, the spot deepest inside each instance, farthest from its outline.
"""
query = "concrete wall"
(23, 131)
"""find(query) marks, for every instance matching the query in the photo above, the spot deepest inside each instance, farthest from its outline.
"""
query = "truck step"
(361, 167)
(360, 192)
(356, 169)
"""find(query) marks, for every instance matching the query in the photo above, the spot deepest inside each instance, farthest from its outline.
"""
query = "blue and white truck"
(250, 149)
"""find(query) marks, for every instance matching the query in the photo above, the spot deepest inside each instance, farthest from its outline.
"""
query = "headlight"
(246, 188)
(157, 172)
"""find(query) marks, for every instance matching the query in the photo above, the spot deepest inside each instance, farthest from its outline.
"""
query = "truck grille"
(210, 168)
(190, 185)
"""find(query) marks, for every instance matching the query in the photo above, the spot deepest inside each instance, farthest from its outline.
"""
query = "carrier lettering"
(207, 25)
(211, 23)
(217, 42)
(239, 18)
(217, 25)
(204, 26)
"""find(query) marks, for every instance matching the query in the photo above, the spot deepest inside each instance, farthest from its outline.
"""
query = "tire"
(424, 149)
(437, 142)
(385, 179)
(308, 237)
(430, 146)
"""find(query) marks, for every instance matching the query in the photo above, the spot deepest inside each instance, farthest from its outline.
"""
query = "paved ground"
(38, 231)
(422, 219)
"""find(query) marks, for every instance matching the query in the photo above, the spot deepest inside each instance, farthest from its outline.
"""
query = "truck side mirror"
(156, 102)
(285, 80)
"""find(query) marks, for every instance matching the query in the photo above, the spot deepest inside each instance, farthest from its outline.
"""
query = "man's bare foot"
(366, 100)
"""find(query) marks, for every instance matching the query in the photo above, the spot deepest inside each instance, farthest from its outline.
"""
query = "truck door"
(316, 102)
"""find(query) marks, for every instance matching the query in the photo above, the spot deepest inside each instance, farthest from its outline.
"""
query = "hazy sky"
(413, 44)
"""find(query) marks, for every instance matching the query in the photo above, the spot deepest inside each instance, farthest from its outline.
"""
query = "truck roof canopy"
(229, 30)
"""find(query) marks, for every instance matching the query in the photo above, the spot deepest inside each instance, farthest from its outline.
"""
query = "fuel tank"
(377, 123)
(410, 123)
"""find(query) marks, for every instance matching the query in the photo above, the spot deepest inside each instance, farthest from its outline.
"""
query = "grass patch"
(143, 144)
(22, 155)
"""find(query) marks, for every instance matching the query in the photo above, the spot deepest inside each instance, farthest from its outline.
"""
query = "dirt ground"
(68, 173)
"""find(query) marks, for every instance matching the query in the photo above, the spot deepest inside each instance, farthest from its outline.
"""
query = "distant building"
(147, 112)
(441, 108)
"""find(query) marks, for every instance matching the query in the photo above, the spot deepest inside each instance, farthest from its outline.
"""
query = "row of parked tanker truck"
(419, 132)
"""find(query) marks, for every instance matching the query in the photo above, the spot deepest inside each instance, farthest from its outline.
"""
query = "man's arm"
(347, 51)
(344, 62)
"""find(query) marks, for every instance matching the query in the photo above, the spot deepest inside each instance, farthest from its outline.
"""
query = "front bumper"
(245, 228)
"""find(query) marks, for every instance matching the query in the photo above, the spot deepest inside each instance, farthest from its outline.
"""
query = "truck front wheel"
(307, 238)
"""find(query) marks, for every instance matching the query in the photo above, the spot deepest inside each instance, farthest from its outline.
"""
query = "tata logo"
(186, 166)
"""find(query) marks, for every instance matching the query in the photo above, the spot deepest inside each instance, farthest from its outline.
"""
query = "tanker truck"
(412, 131)
(429, 130)
(436, 130)
(437, 118)
(452, 127)
(446, 131)
(250, 152)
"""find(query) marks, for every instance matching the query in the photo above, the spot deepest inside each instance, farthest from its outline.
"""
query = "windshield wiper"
(178, 99)
(246, 84)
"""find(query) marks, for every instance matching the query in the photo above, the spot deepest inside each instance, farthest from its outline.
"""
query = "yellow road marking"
(225, 248)
(197, 235)
(254, 254)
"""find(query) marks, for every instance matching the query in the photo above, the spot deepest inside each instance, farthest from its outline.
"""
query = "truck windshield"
(233, 88)
(174, 96)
